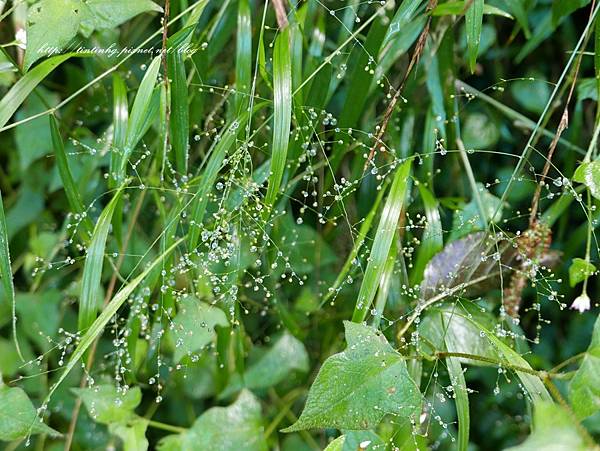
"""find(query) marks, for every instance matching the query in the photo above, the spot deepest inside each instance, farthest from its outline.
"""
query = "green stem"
(567, 362)
(166, 427)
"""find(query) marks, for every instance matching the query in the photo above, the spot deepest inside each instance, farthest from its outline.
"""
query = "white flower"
(581, 303)
(21, 38)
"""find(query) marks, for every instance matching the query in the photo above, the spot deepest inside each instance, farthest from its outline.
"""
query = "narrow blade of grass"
(139, 112)
(71, 190)
(384, 285)
(473, 19)
(180, 117)
(461, 399)
(597, 56)
(100, 323)
(120, 118)
(282, 105)
(90, 297)
(533, 384)
(383, 240)
(213, 165)
(6, 275)
(358, 243)
(243, 58)
(22, 88)
(432, 241)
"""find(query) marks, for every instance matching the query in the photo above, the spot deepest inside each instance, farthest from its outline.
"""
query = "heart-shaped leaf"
(357, 387)
(584, 390)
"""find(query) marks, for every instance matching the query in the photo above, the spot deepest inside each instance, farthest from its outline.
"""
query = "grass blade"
(71, 190)
(22, 88)
(6, 275)
(139, 112)
(383, 241)
(358, 242)
(100, 323)
(282, 105)
(432, 241)
(533, 384)
(180, 116)
(474, 20)
(243, 58)
(215, 160)
(461, 398)
(90, 297)
(120, 119)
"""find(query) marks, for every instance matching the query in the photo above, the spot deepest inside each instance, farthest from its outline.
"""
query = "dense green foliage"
(290, 225)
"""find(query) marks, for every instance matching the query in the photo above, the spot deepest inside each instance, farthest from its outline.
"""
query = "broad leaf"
(589, 175)
(132, 434)
(446, 327)
(194, 326)
(52, 24)
(562, 8)
(584, 390)
(18, 417)
(356, 440)
(285, 356)
(580, 270)
(554, 430)
(238, 426)
(469, 219)
(106, 404)
(469, 265)
(357, 387)
(473, 22)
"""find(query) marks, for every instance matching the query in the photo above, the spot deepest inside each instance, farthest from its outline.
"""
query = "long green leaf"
(243, 58)
(533, 384)
(71, 190)
(139, 112)
(383, 241)
(474, 19)
(180, 120)
(282, 105)
(6, 274)
(358, 243)
(90, 297)
(461, 398)
(214, 162)
(432, 241)
(100, 323)
(120, 120)
(22, 88)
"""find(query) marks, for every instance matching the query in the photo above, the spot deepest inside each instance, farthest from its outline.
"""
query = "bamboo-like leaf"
(532, 384)
(358, 243)
(213, 165)
(243, 58)
(100, 323)
(22, 88)
(139, 112)
(282, 105)
(432, 241)
(71, 190)
(90, 297)
(120, 119)
(383, 241)
(180, 121)
(461, 399)
(474, 19)
(6, 274)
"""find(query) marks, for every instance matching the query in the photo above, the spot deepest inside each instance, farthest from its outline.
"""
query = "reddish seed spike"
(532, 246)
